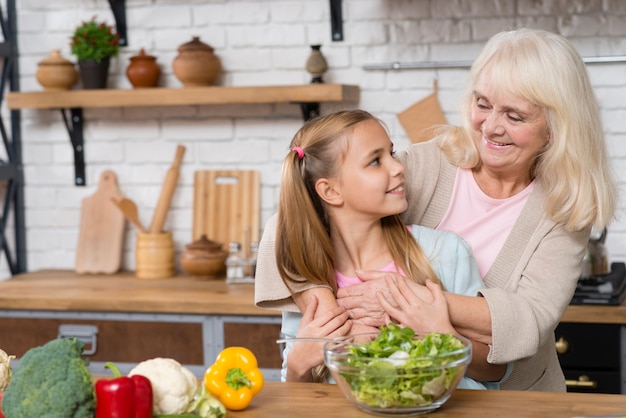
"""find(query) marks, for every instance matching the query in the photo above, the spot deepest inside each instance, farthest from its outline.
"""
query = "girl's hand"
(410, 306)
(304, 355)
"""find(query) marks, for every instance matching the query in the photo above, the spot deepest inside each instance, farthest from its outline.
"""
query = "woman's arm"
(469, 314)
(430, 314)
(479, 369)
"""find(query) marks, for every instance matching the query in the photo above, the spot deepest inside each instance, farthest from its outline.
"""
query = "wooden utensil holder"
(154, 256)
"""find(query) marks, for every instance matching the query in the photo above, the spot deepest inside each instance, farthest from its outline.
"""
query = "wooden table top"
(62, 290)
(59, 290)
(314, 400)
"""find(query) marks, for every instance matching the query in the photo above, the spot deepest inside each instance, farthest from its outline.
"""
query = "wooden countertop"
(313, 400)
(62, 290)
(596, 314)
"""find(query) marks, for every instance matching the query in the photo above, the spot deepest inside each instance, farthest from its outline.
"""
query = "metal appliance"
(600, 283)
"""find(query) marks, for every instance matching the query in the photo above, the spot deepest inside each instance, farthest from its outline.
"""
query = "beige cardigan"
(528, 287)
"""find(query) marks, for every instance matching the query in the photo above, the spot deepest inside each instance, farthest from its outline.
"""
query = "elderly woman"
(523, 182)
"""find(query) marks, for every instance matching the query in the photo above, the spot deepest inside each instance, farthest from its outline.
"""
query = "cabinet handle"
(582, 382)
(562, 345)
(85, 333)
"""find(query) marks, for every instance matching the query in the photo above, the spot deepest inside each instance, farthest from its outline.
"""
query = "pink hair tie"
(298, 151)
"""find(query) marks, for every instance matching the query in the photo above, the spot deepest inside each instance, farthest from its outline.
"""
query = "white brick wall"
(266, 42)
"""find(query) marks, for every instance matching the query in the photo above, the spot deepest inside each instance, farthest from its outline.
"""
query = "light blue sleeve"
(451, 258)
(289, 329)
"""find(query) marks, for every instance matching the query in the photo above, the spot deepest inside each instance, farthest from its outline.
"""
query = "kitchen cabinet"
(591, 345)
(126, 320)
(592, 356)
(193, 319)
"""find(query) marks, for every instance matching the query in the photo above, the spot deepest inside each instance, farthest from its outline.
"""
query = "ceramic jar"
(143, 71)
(56, 73)
(204, 258)
(196, 64)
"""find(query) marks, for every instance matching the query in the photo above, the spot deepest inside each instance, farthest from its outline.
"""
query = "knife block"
(154, 256)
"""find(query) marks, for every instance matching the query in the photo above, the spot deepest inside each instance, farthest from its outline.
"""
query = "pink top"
(472, 215)
(343, 281)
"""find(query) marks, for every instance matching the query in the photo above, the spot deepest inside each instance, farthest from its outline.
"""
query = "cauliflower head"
(5, 370)
(173, 385)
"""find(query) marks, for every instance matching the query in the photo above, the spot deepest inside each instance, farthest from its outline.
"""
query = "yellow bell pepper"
(234, 378)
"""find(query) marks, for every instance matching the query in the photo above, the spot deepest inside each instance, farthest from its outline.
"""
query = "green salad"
(398, 370)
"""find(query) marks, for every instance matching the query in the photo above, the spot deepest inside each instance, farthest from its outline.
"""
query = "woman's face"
(510, 131)
(371, 180)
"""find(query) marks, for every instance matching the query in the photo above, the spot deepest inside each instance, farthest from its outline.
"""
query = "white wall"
(266, 42)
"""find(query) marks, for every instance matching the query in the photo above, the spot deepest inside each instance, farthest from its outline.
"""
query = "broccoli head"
(51, 381)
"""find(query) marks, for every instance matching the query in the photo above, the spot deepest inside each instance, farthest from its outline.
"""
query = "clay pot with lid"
(56, 72)
(196, 64)
(143, 71)
(204, 258)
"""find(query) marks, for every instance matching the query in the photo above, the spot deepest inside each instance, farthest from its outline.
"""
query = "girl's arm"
(315, 323)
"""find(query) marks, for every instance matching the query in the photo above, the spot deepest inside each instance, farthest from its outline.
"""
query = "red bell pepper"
(124, 396)
(1, 414)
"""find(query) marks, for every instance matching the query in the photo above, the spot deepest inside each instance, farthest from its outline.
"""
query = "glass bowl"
(394, 385)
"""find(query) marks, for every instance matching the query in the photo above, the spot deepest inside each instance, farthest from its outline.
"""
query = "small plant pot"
(94, 74)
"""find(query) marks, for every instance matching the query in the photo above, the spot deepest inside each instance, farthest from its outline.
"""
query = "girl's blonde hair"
(545, 69)
(304, 250)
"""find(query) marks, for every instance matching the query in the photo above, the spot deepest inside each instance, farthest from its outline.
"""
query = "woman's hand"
(360, 301)
(304, 355)
(411, 307)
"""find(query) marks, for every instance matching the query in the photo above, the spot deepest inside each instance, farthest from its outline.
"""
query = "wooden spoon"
(129, 209)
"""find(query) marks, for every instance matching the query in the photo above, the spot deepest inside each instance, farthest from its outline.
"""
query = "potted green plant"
(94, 43)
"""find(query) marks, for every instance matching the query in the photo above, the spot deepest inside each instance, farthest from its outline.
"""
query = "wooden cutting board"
(226, 206)
(101, 233)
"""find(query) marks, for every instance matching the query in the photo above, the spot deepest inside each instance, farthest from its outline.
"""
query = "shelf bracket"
(74, 127)
(336, 20)
(310, 110)
(118, 7)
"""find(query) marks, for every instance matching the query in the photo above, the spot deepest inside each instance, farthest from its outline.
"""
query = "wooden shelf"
(307, 93)
(308, 96)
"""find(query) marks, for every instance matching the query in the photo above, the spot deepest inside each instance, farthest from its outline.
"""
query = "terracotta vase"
(196, 64)
(204, 258)
(316, 64)
(56, 73)
(143, 71)
(94, 74)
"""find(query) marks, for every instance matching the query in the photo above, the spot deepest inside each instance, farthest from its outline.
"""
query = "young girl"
(341, 193)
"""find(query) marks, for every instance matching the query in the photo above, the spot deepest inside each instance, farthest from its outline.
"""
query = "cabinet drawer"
(117, 341)
(259, 338)
(588, 346)
(592, 381)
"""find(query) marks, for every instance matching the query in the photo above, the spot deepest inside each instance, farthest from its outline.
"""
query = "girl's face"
(371, 180)
(510, 131)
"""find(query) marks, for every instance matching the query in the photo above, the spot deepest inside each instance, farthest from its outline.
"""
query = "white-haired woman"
(523, 182)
